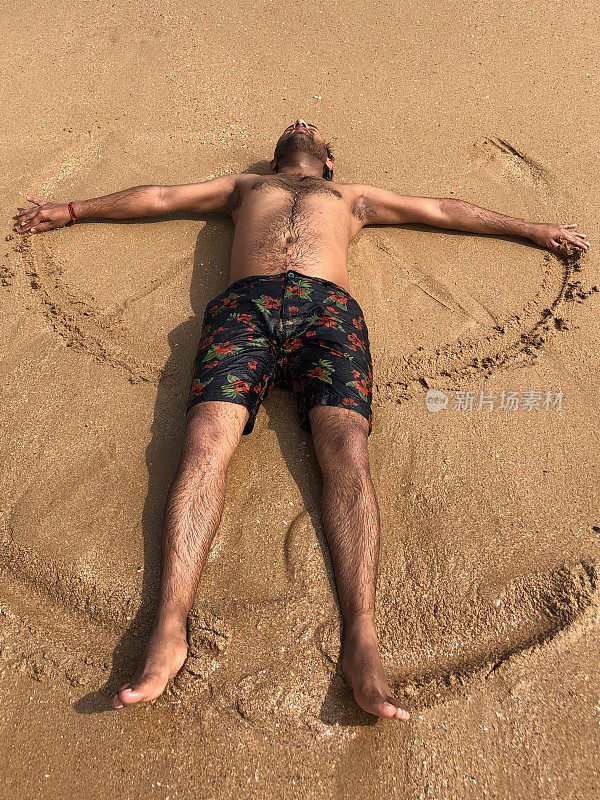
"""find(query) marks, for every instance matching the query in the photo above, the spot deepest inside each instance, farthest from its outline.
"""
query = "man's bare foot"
(364, 671)
(162, 658)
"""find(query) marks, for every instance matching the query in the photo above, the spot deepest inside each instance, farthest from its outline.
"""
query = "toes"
(381, 705)
(131, 694)
(402, 713)
(127, 696)
(398, 712)
(385, 709)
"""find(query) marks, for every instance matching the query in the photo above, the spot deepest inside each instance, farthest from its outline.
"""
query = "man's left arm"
(376, 206)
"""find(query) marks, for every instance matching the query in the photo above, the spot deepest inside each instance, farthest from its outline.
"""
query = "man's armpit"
(361, 207)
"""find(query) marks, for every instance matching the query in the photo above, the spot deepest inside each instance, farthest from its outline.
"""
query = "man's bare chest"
(306, 200)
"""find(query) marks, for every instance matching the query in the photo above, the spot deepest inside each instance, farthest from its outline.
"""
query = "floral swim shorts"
(288, 330)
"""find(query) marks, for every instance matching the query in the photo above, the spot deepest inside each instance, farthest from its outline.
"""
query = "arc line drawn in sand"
(80, 323)
(498, 158)
(552, 603)
(512, 341)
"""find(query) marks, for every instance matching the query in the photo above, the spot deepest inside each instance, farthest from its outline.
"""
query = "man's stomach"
(330, 267)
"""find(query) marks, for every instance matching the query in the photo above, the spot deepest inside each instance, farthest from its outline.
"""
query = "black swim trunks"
(287, 330)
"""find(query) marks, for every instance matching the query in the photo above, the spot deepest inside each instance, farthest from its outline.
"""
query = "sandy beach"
(487, 604)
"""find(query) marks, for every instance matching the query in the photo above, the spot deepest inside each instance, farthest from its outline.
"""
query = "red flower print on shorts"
(353, 338)
(294, 344)
(316, 372)
(224, 348)
(271, 302)
(328, 322)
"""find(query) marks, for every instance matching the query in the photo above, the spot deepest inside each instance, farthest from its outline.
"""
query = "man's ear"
(273, 166)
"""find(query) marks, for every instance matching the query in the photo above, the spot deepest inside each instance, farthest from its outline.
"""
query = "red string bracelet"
(72, 213)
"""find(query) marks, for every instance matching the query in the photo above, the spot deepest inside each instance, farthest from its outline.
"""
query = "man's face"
(301, 138)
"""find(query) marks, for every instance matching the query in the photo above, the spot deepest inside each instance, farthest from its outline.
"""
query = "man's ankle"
(359, 624)
(172, 620)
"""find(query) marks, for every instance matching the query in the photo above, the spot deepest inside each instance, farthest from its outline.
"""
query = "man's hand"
(44, 217)
(548, 234)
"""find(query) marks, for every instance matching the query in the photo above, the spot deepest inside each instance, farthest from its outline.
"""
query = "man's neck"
(302, 168)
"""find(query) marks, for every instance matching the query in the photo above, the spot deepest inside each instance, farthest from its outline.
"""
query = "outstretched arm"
(381, 207)
(217, 194)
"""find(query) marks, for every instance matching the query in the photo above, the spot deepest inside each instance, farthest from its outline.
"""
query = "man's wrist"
(530, 229)
(79, 208)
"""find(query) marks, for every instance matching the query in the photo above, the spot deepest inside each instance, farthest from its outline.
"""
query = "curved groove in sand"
(511, 341)
(80, 322)
(551, 603)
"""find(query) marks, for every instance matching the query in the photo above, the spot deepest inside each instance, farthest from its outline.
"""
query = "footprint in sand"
(502, 161)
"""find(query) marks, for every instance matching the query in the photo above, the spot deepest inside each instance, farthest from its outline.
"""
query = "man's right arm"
(215, 195)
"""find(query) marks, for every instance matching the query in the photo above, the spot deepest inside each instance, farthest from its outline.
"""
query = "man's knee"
(340, 439)
(213, 431)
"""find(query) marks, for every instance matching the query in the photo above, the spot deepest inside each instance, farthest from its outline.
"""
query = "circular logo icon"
(436, 400)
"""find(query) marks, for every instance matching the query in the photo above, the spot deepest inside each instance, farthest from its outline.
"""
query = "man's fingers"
(40, 227)
(35, 200)
(577, 240)
(26, 224)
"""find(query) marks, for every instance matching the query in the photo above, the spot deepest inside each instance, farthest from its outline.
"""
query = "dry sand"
(488, 609)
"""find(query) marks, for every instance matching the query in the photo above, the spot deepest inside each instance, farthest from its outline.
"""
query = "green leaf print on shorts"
(235, 387)
(322, 370)
(300, 288)
(221, 351)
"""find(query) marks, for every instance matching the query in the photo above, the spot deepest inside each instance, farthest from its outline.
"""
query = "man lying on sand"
(286, 319)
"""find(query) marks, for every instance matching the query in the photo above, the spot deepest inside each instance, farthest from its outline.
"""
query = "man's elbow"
(453, 212)
(444, 212)
(162, 199)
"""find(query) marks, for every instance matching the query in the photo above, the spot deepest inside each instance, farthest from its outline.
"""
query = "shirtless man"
(287, 318)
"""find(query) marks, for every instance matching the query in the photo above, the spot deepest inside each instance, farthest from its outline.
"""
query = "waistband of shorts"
(280, 277)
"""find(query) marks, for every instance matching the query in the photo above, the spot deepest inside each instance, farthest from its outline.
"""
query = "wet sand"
(487, 607)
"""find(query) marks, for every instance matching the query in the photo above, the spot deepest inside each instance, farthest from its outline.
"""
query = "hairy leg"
(351, 523)
(192, 514)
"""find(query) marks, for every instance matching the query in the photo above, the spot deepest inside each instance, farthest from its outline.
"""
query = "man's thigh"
(235, 362)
